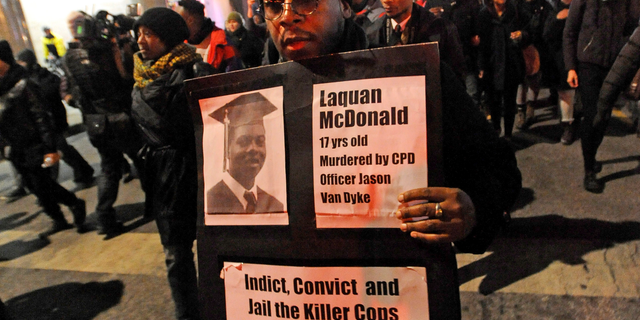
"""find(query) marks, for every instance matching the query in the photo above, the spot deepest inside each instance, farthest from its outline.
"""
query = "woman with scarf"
(161, 112)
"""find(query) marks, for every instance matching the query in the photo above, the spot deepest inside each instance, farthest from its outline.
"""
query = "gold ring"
(438, 213)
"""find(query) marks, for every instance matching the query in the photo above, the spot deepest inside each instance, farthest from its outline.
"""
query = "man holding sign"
(481, 173)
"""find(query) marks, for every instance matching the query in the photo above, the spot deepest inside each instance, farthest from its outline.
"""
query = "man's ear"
(346, 9)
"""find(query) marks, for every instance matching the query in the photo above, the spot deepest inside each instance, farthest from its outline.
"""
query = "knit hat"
(27, 56)
(166, 23)
(6, 54)
(235, 16)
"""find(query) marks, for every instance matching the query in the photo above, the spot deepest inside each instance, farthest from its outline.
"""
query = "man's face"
(4, 68)
(232, 25)
(150, 44)
(398, 10)
(190, 19)
(247, 151)
(299, 37)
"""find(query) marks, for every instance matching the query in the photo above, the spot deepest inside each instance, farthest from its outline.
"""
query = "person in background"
(618, 79)
(209, 40)
(26, 126)
(480, 169)
(249, 46)
(408, 23)
(50, 87)
(502, 33)
(255, 21)
(100, 87)
(369, 15)
(161, 113)
(554, 26)
(537, 12)
(594, 33)
(52, 46)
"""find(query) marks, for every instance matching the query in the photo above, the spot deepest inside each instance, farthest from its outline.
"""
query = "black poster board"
(300, 243)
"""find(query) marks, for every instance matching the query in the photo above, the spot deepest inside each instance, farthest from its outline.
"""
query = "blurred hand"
(572, 78)
(475, 41)
(480, 74)
(50, 159)
(563, 14)
(516, 35)
(419, 218)
(249, 10)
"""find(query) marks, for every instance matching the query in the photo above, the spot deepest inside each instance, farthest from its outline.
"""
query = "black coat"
(249, 45)
(24, 122)
(552, 34)
(596, 30)
(161, 112)
(499, 56)
(618, 79)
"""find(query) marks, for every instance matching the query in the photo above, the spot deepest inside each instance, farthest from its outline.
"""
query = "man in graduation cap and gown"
(245, 152)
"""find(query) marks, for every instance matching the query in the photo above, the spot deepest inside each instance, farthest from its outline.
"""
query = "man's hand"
(475, 40)
(249, 10)
(480, 74)
(563, 14)
(50, 159)
(419, 216)
(516, 35)
(572, 78)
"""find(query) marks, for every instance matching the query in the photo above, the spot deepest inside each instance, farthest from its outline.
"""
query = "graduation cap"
(247, 109)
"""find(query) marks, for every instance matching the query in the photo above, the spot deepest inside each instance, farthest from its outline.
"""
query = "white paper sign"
(369, 145)
(255, 291)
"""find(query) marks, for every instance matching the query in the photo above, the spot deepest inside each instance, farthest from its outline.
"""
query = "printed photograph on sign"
(369, 145)
(257, 291)
(244, 159)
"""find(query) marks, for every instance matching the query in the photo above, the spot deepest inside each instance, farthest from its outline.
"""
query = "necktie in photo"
(251, 202)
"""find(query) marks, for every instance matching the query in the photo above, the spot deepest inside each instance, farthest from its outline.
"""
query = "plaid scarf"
(146, 72)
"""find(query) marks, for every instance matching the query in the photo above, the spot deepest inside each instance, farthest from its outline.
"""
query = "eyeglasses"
(273, 10)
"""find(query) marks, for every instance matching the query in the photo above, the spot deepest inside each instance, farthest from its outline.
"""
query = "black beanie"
(166, 23)
(27, 56)
(6, 54)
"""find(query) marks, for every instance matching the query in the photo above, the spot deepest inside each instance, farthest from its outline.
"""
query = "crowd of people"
(127, 77)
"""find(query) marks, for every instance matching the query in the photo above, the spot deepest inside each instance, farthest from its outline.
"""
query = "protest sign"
(301, 230)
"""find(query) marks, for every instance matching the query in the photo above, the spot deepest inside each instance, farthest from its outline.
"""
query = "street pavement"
(567, 253)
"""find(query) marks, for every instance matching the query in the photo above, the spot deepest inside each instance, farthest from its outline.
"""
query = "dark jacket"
(499, 56)
(49, 84)
(618, 79)
(249, 46)
(552, 34)
(161, 112)
(97, 85)
(424, 27)
(475, 159)
(24, 122)
(595, 31)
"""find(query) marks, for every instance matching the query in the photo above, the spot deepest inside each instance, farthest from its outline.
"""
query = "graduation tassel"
(225, 163)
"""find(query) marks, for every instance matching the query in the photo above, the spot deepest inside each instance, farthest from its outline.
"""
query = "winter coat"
(552, 34)
(249, 46)
(161, 112)
(500, 57)
(24, 122)
(619, 78)
(596, 30)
